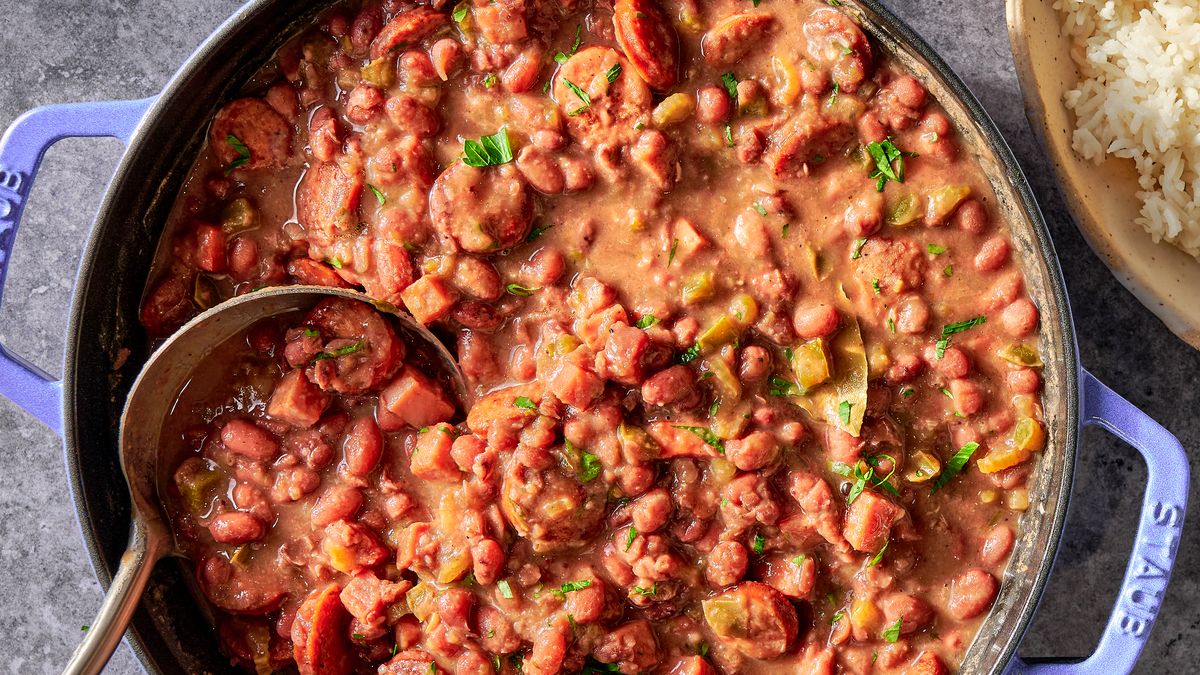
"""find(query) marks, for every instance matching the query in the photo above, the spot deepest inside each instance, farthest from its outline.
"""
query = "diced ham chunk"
(417, 400)
(869, 521)
(297, 401)
(431, 458)
(428, 299)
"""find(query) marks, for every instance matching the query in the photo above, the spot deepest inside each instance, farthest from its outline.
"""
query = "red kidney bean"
(813, 321)
(972, 594)
(905, 368)
(968, 396)
(363, 446)
(997, 545)
(993, 254)
(972, 217)
(754, 363)
(248, 439)
(1024, 381)
(912, 612)
(1020, 318)
(235, 528)
(488, 558)
(726, 564)
(339, 502)
(652, 510)
(953, 364)
(712, 105)
(912, 315)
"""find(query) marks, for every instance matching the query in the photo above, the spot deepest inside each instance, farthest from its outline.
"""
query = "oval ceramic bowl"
(1102, 197)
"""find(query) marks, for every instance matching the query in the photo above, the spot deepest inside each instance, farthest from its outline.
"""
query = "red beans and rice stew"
(756, 374)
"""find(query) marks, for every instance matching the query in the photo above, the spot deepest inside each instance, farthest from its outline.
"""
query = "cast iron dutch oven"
(170, 633)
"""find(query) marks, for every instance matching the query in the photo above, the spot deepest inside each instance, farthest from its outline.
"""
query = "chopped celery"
(1020, 355)
(810, 365)
(943, 201)
(673, 110)
(239, 215)
(925, 467)
(381, 72)
(699, 287)
(904, 212)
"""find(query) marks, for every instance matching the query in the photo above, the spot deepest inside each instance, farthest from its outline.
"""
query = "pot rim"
(886, 27)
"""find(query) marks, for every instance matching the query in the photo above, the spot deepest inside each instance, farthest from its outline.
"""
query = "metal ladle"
(149, 404)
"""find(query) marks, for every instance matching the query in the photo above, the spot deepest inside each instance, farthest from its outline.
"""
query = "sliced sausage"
(612, 108)
(481, 210)
(734, 36)
(370, 352)
(407, 29)
(321, 633)
(649, 41)
(754, 619)
(248, 134)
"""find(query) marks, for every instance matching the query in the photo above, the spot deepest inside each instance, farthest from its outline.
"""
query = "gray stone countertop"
(71, 50)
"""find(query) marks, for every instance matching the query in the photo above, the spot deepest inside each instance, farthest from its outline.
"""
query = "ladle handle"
(146, 547)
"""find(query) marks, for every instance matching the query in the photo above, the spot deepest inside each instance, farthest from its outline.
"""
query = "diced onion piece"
(865, 617)
(725, 381)
(924, 467)
(987, 496)
(731, 420)
(699, 287)
(878, 360)
(721, 333)
(1018, 499)
(636, 444)
(721, 470)
(726, 616)
(744, 309)
(810, 364)
(904, 212)
(455, 568)
(1028, 436)
(787, 81)
(239, 215)
(1020, 355)
(943, 201)
(381, 72)
(204, 292)
(673, 110)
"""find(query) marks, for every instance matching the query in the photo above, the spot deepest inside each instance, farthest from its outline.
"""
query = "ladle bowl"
(150, 403)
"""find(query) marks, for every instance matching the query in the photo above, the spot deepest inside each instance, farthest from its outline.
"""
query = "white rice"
(1139, 98)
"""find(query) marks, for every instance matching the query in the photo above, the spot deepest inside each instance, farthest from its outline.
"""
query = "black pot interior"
(170, 631)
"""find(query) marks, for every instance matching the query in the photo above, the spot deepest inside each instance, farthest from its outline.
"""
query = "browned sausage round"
(481, 210)
(249, 134)
(649, 41)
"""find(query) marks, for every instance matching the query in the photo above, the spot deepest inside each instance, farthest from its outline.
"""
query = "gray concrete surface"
(72, 50)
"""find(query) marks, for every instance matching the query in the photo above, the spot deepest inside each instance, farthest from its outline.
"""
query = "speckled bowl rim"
(1101, 197)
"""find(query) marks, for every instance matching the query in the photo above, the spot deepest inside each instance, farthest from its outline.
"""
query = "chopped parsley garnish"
(646, 321)
(891, 324)
(705, 435)
(892, 632)
(760, 209)
(837, 616)
(688, 355)
(846, 51)
(630, 536)
(856, 252)
(758, 544)
(907, 392)
(312, 332)
(653, 590)
(844, 409)
(875, 286)
(712, 409)
(671, 255)
(379, 196)
(786, 226)
(955, 465)
(878, 556)
(613, 73)
(571, 587)
(729, 135)
(583, 97)
(939, 348)
(936, 249)
(948, 271)
(537, 232)
(460, 12)
(357, 636)
(837, 89)
(799, 560)
(702, 649)
(946, 392)
(243, 152)
(730, 82)
(781, 387)
(960, 326)
(433, 667)
(561, 58)
(489, 80)
(340, 351)
(85, 628)
(520, 291)
(889, 162)
(491, 150)
(505, 589)
(334, 262)
(589, 467)
(524, 403)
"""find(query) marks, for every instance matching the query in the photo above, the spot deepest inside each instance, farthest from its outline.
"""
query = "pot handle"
(21, 151)
(1157, 543)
